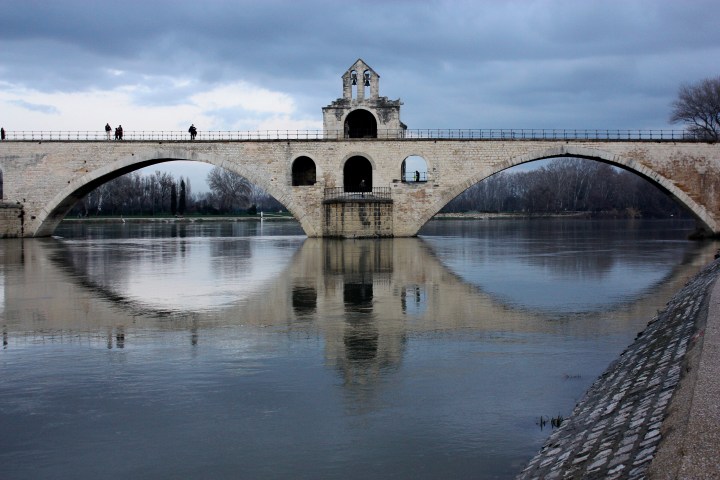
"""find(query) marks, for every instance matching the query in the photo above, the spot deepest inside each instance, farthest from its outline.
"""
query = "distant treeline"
(135, 194)
(568, 185)
(563, 185)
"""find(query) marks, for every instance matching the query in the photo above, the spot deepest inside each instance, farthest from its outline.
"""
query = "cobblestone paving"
(614, 430)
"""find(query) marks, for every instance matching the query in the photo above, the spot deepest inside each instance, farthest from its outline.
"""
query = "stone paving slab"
(614, 431)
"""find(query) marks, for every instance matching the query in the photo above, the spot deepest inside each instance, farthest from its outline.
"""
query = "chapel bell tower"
(361, 112)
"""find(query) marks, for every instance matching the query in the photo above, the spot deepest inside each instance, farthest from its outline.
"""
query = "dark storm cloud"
(454, 64)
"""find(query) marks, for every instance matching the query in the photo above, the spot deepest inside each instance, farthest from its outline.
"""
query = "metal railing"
(419, 134)
(414, 177)
(375, 193)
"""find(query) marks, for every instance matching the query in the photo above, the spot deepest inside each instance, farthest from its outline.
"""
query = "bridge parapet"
(394, 134)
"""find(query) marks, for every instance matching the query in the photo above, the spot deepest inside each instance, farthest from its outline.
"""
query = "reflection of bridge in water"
(363, 298)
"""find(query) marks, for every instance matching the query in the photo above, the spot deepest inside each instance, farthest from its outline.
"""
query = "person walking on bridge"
(107, 130)
(119, 132)
(2, 134)
(193, 131)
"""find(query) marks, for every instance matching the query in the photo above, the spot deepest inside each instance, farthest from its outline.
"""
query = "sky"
(273, 64)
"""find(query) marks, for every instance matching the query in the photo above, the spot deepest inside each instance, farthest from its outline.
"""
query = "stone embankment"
(629, 419)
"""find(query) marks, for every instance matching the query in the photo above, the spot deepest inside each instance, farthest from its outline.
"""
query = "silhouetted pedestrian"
(119, 132)
(2, 134)
(107, 130)
(193, 132)
(417, 176)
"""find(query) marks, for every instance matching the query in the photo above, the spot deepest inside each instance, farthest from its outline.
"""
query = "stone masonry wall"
(358, 219)
(11, 218)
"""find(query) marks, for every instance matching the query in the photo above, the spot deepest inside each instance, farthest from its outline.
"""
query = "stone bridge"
(317, 180)
(364, 175)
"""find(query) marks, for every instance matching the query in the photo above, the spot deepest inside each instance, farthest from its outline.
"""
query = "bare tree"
(698, 106)
(231, 189)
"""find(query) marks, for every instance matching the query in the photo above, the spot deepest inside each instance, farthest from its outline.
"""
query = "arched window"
(357, 175)
(360, 124)
(353, 83)
(303, 172)
(414, 169)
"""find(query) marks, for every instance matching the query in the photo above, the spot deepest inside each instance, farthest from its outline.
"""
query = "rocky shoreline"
(616, 430)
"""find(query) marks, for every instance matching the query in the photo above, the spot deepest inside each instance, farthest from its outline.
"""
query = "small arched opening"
(360, 124)
(357, 175)
(353, 84)
(414, 169)
(303, 172)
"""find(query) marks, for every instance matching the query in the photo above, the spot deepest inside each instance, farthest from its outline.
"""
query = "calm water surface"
(246, 350)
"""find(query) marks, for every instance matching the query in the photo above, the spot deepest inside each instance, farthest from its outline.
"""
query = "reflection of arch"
(304, 300)
(303, 172)
(357, 174)
(414, 169)
(360, 124)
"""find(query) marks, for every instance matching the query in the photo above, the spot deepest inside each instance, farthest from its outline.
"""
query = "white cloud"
(238, 105)
(246, 97)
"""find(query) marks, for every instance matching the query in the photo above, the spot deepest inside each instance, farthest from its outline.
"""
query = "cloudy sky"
(273, 64)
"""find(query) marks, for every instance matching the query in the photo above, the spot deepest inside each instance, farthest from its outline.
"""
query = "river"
(246, 350)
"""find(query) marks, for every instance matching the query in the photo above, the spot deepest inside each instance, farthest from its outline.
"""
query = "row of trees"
(563, 185)
(163, 194)
(568, 185)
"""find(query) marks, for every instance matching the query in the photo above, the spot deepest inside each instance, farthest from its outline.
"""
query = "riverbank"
(654, 413)
(192, 219)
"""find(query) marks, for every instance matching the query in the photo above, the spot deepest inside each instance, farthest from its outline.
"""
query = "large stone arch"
(627, 163)
(55, 210)
(361, 123)
(358, 173)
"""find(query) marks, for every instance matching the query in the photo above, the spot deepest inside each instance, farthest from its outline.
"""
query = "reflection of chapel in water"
(360, 274)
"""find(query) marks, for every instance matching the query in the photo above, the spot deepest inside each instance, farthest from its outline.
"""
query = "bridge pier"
(358, 218)
(12, 217)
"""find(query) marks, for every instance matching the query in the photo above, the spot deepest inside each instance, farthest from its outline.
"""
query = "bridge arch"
(55, 210)
(624, 162)
(358, 173)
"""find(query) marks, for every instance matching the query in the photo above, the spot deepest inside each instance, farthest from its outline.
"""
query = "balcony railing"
(417, 134)
(414, 177)
(375, 193)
